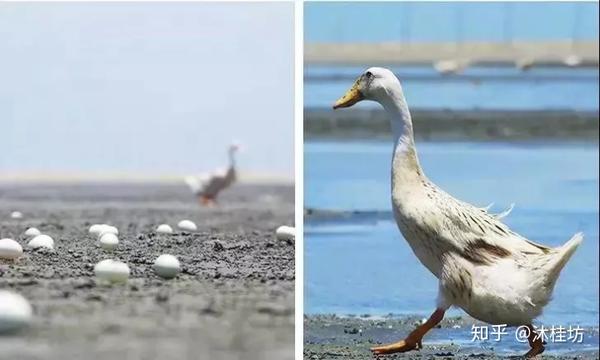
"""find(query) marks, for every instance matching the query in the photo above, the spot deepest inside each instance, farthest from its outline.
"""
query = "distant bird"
(207, 187)
(483, 267)
(525, 63)
(572, 60)
(450, 67)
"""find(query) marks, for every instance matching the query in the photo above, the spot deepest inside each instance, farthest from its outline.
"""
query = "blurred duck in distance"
(208, 186)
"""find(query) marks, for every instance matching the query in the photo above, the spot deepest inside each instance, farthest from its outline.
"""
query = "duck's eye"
(369, 74)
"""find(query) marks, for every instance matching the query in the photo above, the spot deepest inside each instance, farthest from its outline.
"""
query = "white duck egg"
(108, 229)
(187, 225)
(99, 229)
(112, 271)
(167, 266)
(16, 215)
(95, 229)
(41, 241)
(10, 249)
(164, 229)
(15, 311)
(109, 241)
(32, 232)
(112, 229)
(285, 233)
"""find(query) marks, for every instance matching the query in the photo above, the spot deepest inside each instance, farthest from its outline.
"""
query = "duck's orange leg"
(536, 343)
(414, 339)
(207, 201)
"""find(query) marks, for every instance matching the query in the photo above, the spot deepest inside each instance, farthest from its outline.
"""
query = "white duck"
(208, 187)
(483, 267)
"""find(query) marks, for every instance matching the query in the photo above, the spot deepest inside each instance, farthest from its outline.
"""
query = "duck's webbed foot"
(414, 340)
(400, 346)
(207, 201)
(536, 343)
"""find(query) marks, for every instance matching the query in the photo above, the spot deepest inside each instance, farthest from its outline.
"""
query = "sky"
(146, 88)
(438, 21)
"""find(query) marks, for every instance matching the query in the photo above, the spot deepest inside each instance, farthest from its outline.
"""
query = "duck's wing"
(220, 180)
(477, 235)
(193, 183)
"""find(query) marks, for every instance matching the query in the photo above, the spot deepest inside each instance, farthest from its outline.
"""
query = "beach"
(234, 298)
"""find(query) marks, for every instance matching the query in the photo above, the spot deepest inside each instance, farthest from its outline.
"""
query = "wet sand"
(336, 337)
(233, 300)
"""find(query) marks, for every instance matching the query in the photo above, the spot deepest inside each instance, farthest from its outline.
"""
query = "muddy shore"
(456, 125)
(233, 300)
(350, 337)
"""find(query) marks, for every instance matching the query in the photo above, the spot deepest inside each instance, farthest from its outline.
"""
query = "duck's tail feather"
(193, 183)
(562, 256)
(505, 213)
(486, 208)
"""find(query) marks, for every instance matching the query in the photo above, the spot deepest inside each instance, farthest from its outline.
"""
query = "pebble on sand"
(187, 225)
(10, 249)
(15, 311)
(167, 266)
(112, 271)
(164, 229)
(32, 232)
(16, 215)
(285, 233)
(41, 241)
(108, 241)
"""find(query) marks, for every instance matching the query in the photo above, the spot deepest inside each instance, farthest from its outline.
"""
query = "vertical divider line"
(299, 176)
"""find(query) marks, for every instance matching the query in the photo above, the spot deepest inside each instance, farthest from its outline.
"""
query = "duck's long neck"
(231, 159)
(406, 169)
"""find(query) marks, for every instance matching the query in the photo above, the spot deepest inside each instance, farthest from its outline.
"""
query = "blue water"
(449, 21)
(363, 265)
(477, 88)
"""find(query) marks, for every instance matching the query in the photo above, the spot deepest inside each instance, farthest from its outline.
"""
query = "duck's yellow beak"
(351, 97)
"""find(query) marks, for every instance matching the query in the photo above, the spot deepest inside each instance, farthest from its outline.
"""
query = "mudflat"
(234, 298)
(351, 337)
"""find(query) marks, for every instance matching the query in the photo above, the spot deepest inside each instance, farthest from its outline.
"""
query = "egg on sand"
(99, 229)
(164, 229)
(15, 311)
(108, 241)
(32, 232)
(112, 271)
(41, 241)
(285, 233)
(187, 225)
(167, 266)
(10, 249)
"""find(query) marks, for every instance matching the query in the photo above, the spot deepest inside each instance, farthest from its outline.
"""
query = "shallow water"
(362, 264)
(477, 87)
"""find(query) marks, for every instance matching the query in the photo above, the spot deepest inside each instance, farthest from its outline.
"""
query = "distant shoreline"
(65, 178)
(457, 125)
